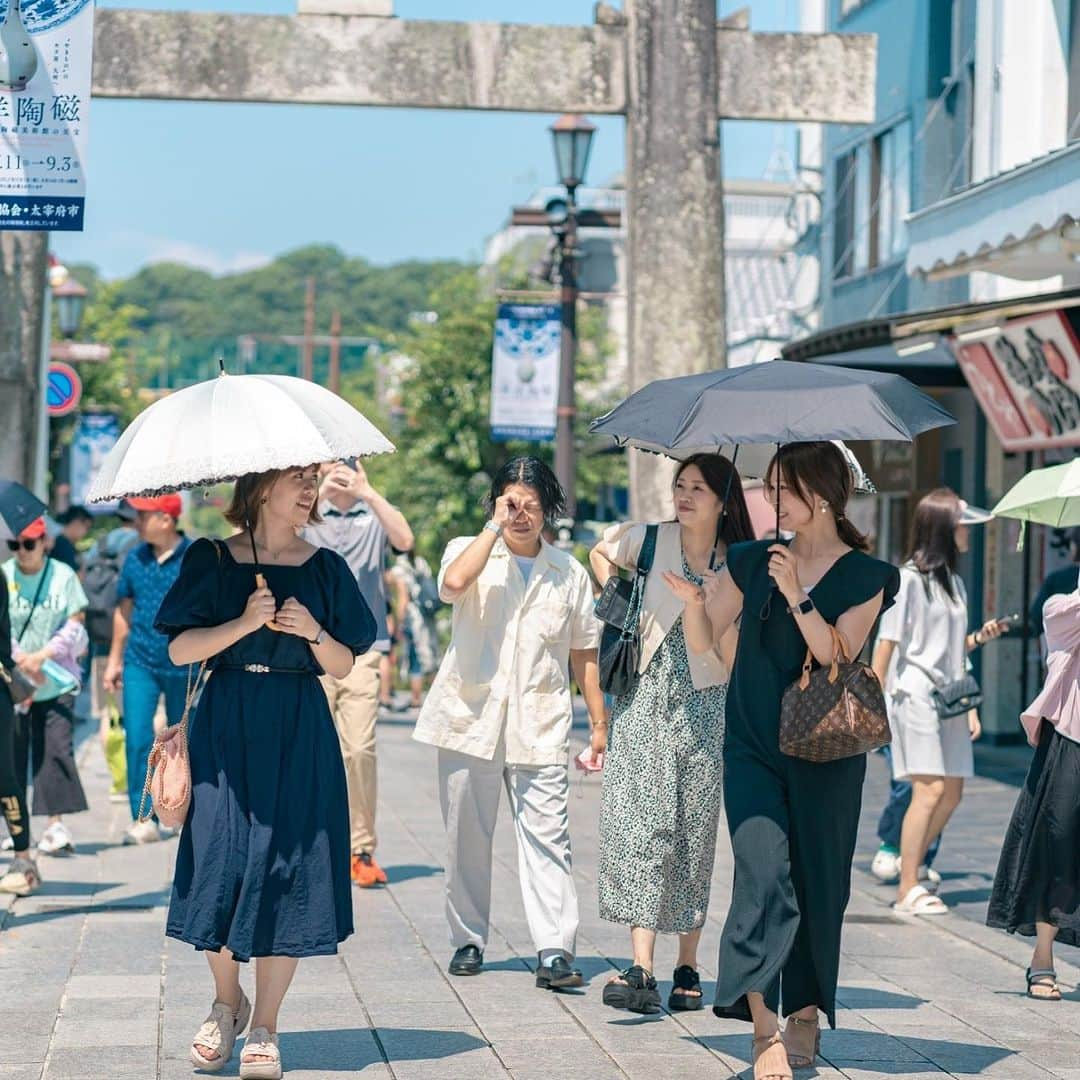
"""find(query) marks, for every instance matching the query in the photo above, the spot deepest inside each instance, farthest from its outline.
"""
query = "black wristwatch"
(804, 607)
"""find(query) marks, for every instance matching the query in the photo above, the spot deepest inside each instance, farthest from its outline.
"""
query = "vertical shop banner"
(95, 435)
(46, 54)
(1026, 376)
(525, 372)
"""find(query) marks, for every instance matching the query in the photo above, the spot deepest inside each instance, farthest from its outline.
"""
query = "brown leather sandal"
(770, 1058)
(803, 1041)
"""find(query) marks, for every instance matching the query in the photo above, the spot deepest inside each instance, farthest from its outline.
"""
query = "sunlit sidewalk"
(92, 989)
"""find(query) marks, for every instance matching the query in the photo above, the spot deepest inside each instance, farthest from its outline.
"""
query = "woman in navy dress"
(263, 865)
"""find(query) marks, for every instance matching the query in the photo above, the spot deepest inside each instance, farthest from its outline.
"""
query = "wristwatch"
(492, 527)
(804, 607)
(319, 638)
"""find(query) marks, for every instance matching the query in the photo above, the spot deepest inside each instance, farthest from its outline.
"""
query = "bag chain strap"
(158, 749)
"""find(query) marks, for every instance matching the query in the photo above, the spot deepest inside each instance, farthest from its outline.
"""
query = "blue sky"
(228, 186)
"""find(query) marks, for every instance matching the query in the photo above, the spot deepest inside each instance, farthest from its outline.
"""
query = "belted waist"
(263, 669)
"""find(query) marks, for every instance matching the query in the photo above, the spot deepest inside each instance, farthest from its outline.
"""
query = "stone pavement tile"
(478, 1064)
(887, 1070)
(20, 1072)
(658, 1067)
(20, 1048)
(27, 1020)
(566, 1055)
(866, 1046)
(102, 1063)
(128, 1023)
(428, 1015)
(113, 986)
(1052, 1052)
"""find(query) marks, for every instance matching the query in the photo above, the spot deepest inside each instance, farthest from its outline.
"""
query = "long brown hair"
(932, 541)
(251, 491)
(723, 481)
(819, 467)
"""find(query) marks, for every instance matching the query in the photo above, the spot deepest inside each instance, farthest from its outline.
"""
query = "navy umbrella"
(18, 507)
(779, 401)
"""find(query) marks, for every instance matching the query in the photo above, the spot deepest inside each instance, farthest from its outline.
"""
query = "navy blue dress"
(263, 863)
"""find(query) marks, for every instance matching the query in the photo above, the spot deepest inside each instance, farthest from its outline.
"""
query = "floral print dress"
(662, 793)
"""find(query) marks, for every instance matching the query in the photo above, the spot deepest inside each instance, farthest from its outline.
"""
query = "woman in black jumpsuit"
(792, 823)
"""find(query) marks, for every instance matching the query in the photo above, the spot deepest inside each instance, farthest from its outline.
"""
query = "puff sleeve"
(351, 621)
(191, 603)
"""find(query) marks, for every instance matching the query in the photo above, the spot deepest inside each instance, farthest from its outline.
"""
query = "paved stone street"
(92, 989)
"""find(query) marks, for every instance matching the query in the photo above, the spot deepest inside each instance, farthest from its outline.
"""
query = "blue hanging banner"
(525, 372)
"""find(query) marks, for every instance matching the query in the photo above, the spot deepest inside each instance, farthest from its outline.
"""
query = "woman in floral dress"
(661, 798)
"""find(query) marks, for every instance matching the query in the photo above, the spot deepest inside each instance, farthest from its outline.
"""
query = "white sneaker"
(142, 832)
(886, 867)
(7, 844)
(56, 840)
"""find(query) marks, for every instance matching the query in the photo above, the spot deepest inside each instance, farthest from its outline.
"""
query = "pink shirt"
(1059, 699)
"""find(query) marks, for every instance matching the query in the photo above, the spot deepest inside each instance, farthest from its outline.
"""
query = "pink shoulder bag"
(168, 768)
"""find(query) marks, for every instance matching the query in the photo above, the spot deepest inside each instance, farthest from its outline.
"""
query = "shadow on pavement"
(867, 997)
(349, 1050)
(409, 871)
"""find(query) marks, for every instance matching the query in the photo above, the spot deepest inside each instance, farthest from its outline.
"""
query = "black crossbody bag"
(619, 609)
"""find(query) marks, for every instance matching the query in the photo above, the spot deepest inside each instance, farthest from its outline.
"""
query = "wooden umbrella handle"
(260, 582)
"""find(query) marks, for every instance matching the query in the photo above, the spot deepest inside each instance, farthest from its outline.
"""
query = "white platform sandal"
(260, 1043)
(219, 1034)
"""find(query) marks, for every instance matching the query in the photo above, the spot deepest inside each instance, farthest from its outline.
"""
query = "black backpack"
(100, 576)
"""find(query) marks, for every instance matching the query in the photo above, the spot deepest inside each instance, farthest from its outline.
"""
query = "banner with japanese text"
(95, 435)
(525, 372)
(46, 53)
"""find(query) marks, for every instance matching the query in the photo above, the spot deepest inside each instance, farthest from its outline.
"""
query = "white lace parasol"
(229, 426)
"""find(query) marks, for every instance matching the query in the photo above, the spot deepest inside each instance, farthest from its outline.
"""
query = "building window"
(872, 194)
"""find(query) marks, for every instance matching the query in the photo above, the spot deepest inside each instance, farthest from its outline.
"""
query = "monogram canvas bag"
(833, 712)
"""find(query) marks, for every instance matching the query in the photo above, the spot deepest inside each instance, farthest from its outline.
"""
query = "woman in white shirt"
(922, 646)
(500, 711)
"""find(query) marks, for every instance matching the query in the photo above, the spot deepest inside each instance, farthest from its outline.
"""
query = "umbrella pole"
(260, 579)
(777, 489)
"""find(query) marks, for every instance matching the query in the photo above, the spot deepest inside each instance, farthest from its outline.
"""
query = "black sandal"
(687, 979)
(636, 993)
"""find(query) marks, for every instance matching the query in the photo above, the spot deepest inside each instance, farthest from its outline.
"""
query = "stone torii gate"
(668, 66)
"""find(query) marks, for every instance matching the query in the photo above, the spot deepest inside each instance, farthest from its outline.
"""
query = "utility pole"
(566, 411)
(335, 352)
(307, 368)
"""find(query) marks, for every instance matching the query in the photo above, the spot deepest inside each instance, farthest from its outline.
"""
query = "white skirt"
(924, 744)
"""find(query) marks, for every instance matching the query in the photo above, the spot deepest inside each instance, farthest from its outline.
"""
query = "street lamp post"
(572, 138)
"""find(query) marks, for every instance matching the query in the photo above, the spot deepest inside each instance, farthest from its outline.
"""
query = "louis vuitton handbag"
(833, 712)
(619, 609)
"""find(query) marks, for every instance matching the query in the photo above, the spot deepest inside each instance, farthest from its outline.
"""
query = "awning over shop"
(1024, 223)
(925, 361)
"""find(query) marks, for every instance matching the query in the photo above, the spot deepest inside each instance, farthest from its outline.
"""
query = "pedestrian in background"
(262, 870)
(74, 524)
(663, 771)
(500, 711)
(139, 663)
(47, 606)
(1037, 886)
(416, 599)
(359, 523)
(21, 877)
(793, 823)
(923, 645)
(100, 577)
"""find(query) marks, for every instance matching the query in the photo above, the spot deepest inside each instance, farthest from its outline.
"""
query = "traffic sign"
(63, 389)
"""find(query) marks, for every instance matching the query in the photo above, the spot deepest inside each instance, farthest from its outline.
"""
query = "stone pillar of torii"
(667, 66)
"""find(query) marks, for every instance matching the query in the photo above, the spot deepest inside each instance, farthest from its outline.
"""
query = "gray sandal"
(1046, 978)
(219, 1033)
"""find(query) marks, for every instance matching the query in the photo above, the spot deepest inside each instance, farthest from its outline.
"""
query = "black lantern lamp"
(572, 136)
(70, 299)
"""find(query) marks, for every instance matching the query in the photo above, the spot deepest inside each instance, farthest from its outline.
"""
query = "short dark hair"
(531, 472)
(74, 513)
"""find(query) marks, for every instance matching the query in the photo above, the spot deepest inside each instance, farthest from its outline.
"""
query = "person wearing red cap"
(47, 605)
(139, 663)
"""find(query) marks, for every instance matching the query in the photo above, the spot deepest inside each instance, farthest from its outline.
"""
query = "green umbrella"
(1049, 496)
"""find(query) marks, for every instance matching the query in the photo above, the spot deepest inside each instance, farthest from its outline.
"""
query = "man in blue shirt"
(139, 661)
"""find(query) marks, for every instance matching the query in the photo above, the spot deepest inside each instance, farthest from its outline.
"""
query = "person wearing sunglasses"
(499, 712)
(47, 605)
(22, 877)
(793, 823)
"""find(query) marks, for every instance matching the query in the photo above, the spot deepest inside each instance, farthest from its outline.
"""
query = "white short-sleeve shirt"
(507, 667)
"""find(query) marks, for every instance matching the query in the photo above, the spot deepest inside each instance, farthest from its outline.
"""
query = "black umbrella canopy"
(18, 507)
(779, 401)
